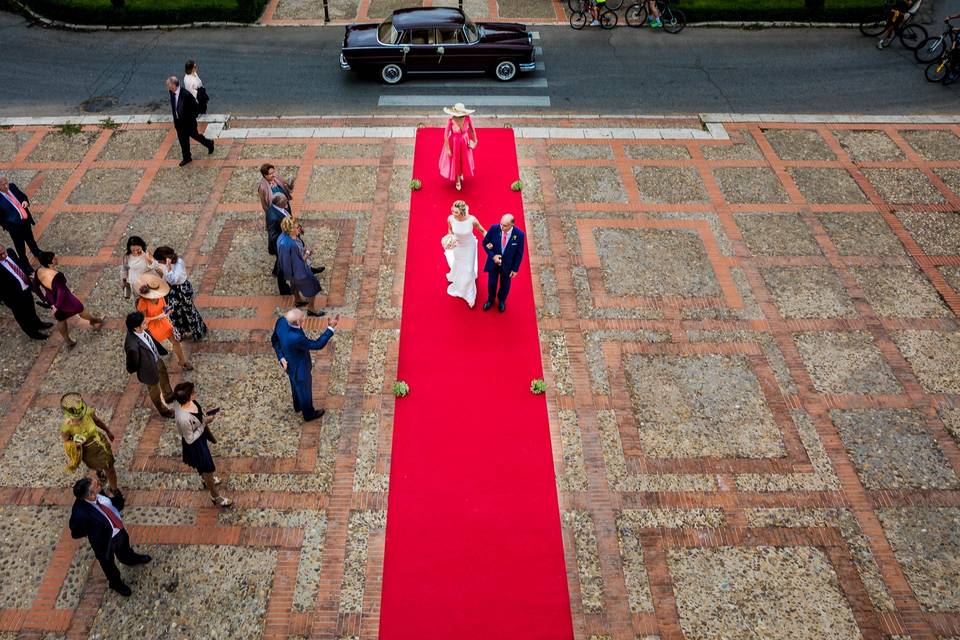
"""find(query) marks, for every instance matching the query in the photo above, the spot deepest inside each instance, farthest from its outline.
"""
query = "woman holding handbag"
(193, 84)
(193, 425)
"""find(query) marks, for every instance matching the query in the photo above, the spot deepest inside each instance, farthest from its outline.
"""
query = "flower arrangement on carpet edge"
(415, 185)
(537, 386)
(517, 185)
(400, 389)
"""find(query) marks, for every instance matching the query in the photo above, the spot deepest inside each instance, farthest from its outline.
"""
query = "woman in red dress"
(459, 141)
(52, 285)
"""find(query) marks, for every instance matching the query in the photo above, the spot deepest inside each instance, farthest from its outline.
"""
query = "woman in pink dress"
(459, 141)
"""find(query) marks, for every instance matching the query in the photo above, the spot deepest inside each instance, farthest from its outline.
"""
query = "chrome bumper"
(527, 66)
(344, 64)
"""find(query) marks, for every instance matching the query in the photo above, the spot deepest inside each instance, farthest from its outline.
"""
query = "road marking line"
(540, 66)
(535, 35)
(522, 83)
(538, 51)
(480, 101)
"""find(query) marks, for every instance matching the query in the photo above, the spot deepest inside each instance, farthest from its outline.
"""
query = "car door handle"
(440, 51)
(406, 50)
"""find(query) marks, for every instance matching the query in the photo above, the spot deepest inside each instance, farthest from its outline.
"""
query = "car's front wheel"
(505, 71)
(391, 73)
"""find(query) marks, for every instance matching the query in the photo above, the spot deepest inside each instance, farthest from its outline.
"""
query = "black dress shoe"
(141, 559)
(122, 589)
(486, 305)
(45, 325)
(38, 336)
(301, 303)
(210, 149)
(316, 314)
(186, 161)
(318, 269)
(310, 417)
(501, 307)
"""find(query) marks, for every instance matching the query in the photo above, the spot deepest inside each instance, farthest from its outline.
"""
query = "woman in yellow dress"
(86, 437)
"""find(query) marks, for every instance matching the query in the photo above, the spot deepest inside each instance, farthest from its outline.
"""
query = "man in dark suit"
(16, 219)
(96, 517)
(144, 359)
(293, 349)
(279, 209)
(15, 293)
(185, 111)
(504, 247)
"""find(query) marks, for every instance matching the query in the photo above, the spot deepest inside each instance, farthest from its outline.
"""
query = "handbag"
(202, 99)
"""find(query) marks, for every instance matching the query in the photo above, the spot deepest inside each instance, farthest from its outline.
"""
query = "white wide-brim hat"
(157, 285)
(457, 110)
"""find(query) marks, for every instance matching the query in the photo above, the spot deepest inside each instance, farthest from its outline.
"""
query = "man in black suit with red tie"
(15, 293)
(185, 111)
(16, 219)
(96, 516)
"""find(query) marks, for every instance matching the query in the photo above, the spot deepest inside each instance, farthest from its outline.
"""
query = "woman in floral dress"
(184, 314)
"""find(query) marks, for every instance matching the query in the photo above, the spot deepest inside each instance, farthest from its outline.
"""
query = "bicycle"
(575, 5)
(946, 70)
(672, 20)
(933, 47)
(900, 22)
(583, 16)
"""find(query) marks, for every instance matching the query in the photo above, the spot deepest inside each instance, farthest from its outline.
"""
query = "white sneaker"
(881, 44)
(595, 23)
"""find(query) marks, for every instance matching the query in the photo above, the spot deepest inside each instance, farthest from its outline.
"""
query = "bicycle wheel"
(578, 20)
(636, 15)
(936, 71)
(953, 73)
(912, 35)
(608, 19)
(673, 19)
(573, 5)
(929, 50)
(614, 5)
(874, 26)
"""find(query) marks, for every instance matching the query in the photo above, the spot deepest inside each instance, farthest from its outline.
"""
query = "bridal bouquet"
(449, 242)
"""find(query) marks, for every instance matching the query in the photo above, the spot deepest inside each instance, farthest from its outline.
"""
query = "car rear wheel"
(391, 73)
(505, 71)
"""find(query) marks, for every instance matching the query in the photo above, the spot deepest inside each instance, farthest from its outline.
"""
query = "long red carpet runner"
(473, 544)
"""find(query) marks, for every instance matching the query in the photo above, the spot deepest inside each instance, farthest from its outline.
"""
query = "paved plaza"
(750, 348)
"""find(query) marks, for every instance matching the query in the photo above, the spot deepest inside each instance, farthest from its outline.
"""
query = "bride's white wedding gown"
(463, 261)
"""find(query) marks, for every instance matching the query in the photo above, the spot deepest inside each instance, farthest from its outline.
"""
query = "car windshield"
(473, 33)
(386, 33)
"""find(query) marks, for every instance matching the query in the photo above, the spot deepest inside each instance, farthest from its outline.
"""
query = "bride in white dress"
(463, 257)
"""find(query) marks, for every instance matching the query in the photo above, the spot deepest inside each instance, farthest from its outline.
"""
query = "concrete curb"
(70, 26)
(53, 121)
(827, 119)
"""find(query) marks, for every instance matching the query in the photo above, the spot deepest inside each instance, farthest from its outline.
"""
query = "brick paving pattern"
(310, 12)
(751, 350)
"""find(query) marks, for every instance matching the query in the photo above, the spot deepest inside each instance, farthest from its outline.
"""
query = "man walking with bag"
(185, 111)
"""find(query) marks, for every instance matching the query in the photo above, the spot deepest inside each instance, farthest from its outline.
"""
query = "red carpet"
(473, 545)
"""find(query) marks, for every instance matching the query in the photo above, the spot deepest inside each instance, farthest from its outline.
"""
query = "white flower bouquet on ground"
(449, 242)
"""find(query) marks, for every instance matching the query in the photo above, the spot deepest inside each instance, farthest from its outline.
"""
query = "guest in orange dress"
(459, 141)
(152, 288)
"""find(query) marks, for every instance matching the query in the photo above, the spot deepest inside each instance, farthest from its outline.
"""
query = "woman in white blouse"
(184, 314)
(193, 84)
(136, 261)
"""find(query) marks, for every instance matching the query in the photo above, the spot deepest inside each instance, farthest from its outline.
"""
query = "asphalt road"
(294, 71)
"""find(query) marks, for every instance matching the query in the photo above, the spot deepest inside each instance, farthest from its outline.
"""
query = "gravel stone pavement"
(750, 349)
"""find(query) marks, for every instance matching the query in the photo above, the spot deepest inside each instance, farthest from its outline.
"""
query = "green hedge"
(134, 12)
(777, 10)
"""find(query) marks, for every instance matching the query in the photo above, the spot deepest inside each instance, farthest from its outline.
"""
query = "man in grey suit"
(144, 359)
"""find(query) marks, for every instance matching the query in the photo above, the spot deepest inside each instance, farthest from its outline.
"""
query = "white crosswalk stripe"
(446, 100)
(481, 82)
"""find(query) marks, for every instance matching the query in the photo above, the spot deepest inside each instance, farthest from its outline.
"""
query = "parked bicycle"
(590, 11)
(933, 47)
(896, 21)
(672, 20)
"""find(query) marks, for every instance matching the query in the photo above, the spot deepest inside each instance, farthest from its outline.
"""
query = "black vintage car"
(437, 40)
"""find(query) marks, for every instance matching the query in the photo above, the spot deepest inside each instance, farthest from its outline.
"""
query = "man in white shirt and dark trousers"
(185, 111)
(96, 517)
(15, 292)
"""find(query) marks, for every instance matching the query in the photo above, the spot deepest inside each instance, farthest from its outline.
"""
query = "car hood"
(360, 35)
(500, 31)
